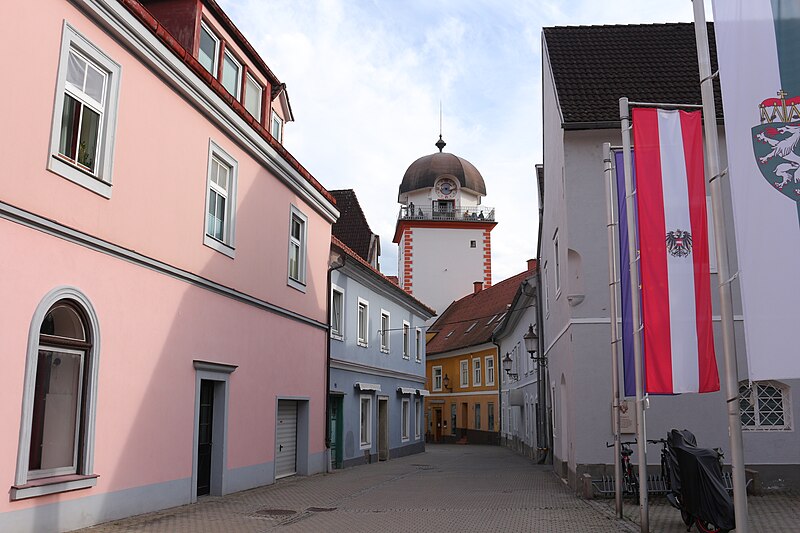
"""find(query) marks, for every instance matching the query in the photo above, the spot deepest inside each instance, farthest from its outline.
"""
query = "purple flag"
(628, 363)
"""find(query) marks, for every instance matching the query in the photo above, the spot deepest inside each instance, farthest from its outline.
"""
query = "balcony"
(466, 214)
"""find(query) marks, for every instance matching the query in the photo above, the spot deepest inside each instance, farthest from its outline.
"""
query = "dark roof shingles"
(594, 66)
(352, 227)
(476, 308)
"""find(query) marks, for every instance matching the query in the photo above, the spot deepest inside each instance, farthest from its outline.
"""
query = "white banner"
(758, 63)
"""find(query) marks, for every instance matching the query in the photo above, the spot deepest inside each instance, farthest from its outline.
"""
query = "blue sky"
(365, 78)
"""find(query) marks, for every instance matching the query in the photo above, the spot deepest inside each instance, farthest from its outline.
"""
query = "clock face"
(446, 188)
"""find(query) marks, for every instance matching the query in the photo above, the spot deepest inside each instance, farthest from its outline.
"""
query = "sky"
(365, 79)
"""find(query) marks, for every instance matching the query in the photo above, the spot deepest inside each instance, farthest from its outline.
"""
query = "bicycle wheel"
(707, 527)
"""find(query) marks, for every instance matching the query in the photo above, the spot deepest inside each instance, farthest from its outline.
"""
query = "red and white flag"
(673, 239)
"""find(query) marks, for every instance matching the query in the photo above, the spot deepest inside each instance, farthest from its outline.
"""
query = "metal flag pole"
(613, 283)
(726, 306)
(624, 115)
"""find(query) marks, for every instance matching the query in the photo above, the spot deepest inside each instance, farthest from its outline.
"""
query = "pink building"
(164, 264)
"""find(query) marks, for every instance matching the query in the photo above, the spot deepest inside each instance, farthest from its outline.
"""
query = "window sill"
(219, 246)
(299, 285)
(73, 173)
(385, 350)
(406, 357)
(337, 337)
(52, 485)
(363, 344)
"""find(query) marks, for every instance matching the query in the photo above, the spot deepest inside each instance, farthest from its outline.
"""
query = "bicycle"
(670, 473)
(630, 481)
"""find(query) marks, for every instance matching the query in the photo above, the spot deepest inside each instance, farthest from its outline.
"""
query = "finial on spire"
(440, 144)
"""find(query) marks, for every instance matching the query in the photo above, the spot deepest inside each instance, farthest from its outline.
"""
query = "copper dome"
(424, 172)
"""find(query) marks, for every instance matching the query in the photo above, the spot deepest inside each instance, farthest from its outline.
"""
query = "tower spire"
(440, 144)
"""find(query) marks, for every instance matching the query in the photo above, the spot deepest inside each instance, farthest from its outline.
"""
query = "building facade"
(377, 364)
(443, 232)
(463, 366)
(581, 113)
(166, 328)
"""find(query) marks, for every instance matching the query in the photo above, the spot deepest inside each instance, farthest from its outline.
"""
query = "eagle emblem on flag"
(679, 243)
(775, 144)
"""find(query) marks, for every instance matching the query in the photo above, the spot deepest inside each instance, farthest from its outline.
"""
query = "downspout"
(331, 267)
(499, 367)
(544, 383)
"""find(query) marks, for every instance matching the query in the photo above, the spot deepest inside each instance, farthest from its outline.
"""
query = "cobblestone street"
(447, 488)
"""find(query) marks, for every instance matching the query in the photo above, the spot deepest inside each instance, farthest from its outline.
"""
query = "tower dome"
(425, 171)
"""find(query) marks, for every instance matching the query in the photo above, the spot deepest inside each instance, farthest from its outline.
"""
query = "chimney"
(531, 264)
(477, 286)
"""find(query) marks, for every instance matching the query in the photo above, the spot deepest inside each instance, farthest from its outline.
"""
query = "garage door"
(286, 436)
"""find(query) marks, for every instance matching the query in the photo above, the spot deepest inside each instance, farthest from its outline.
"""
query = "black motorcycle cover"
(703, 492)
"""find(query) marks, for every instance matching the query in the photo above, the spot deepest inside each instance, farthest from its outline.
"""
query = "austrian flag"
(673, 239)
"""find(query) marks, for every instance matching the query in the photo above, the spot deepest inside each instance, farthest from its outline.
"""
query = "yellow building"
(462, 366)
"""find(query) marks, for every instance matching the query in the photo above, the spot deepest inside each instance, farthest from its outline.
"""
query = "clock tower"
(443, 231)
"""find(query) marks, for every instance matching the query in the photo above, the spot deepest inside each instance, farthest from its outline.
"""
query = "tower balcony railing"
(465, 214)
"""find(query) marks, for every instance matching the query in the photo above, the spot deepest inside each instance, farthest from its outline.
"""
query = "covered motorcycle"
(698, 481)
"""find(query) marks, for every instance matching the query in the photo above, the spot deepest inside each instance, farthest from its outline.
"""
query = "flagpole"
(641, 442)
(726, 307)
(613, 282)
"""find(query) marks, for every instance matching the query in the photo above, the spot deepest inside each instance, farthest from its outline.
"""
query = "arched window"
(765, 405)
(58, 393)
(57, 429)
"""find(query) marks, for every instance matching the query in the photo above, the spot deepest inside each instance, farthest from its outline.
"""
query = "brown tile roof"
(472, 319)
(593, 66)
(383, 280)
(352, 227)
(151, 23)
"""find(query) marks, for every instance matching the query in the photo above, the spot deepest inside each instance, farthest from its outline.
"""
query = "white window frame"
(362, 325)
(464, 373)
(260, 99)
(337, 334)
(385, 332)
(476, 372)
(365, 441)
(405, 420)
(436, 379)
(489, 369)
(25, 485)
(546, 291)
(227, 55)
(406, 340)
(786, 406)
(302, 245)
(217, 41)
(100, 180)
(276, 121)
(417, 419)
(225, 246)
(418, 339)
(557, 260)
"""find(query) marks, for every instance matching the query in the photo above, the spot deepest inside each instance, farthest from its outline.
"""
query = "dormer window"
(232, 75)
(208, 51)
(276, 129)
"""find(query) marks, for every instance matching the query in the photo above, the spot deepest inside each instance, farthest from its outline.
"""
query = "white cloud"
(365, 79)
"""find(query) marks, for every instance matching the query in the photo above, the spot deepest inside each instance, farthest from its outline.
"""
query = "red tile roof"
(352, 227)
(383, 280)
(472, 319)
(151, 23)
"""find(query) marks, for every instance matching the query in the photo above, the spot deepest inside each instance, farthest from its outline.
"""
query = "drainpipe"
(499, 377)
(333, 264)
(545, 381)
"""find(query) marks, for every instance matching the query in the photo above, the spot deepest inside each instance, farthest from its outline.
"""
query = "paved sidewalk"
(447, 488)
(779, 511)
